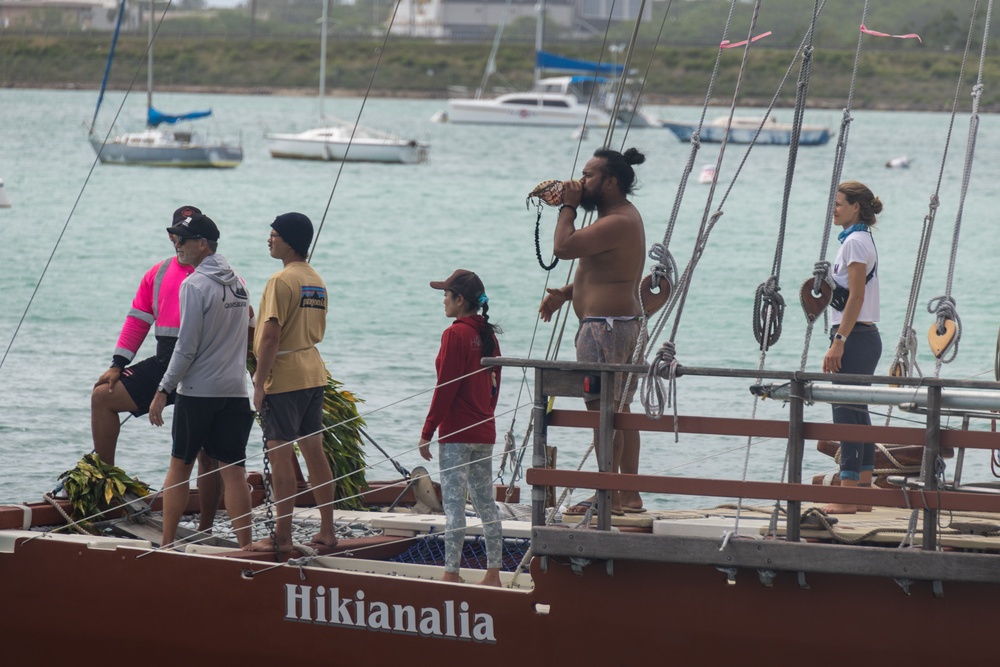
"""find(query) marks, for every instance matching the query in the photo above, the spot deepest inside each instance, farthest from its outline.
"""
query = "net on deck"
(429, 550)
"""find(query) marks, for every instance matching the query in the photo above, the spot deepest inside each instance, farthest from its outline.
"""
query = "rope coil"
(665, 267)
(654, 395)
(769, 308)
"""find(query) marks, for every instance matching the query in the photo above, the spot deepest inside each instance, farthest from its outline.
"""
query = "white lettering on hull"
(325, 606)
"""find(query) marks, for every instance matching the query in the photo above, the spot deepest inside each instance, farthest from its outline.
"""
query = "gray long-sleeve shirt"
(211, 351)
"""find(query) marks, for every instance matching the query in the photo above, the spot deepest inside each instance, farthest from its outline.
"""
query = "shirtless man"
(605, 287)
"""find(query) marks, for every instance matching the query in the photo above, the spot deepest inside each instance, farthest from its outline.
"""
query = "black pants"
(861, 354)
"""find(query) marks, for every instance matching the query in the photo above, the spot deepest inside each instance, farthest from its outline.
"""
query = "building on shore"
(475, 19)
(63, 14)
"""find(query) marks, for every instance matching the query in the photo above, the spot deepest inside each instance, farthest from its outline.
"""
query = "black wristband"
(119, 362)
(570, 206)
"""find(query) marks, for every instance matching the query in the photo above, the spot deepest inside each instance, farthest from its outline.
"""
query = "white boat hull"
(744, 133)
(333, 145)
(497, 112)
(158, 148)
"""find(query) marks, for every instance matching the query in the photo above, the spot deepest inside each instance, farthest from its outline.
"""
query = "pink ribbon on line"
(875, 33)
(726, 44)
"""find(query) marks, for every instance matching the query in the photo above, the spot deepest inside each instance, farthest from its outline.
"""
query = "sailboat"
(584, 95)
(342, 141)
(155, 146)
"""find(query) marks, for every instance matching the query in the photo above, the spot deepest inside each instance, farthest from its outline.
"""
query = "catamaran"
(703, 587)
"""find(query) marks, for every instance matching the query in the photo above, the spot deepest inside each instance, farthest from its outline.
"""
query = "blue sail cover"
(154, 117)
(547, 60)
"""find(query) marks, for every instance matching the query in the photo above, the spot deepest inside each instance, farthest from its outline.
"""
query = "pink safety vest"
(156, 302)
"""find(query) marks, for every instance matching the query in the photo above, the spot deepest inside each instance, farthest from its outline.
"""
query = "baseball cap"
(463, 282)
(185, 212)
(199, 226)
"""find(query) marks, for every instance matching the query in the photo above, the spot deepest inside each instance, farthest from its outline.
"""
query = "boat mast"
(322, 57)
(107, 66)
(149, 63)
(491, 64)
(539, 37)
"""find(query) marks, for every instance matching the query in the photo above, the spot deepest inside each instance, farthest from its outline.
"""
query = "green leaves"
(342, 444)
(94, 487)
(341, 441)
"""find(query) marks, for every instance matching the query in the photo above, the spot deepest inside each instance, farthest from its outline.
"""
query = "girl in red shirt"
(461, 411)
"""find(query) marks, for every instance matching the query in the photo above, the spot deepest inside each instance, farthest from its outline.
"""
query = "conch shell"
(546, 192)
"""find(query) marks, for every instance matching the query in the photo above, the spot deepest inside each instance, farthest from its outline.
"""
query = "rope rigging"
(815, 294)
(944, 335)
(769, 306)
(655, 397)
(354, 129)
(83, 188)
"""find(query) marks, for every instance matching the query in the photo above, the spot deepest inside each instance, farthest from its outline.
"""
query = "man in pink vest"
(130, 388)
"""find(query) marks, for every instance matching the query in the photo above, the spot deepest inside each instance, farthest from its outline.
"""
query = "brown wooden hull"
(59, 595)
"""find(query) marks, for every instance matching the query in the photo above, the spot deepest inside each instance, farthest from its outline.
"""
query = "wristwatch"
(842, 339)
(161, 390)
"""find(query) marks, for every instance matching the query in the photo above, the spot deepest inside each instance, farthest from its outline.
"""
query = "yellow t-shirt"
(296, 298)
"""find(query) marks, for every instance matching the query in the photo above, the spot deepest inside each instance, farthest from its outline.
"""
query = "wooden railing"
(566, 379)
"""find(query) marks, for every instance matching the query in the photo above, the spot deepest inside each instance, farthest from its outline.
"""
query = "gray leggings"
(468, 468)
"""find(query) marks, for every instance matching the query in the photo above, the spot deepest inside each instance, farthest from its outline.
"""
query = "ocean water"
(79, 236)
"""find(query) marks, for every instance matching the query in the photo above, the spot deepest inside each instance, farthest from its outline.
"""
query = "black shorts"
(291, 415)
(141, 380)
(220, 426)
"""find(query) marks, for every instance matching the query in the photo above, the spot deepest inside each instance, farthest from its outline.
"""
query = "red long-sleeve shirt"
(468, 401)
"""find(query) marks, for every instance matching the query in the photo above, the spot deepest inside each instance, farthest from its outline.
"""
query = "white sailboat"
(155, 146)
(342, 141)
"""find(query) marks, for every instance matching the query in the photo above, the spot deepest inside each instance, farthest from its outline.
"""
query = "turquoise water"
(391, 229)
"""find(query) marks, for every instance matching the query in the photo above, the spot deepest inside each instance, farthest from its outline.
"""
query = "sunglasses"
(181, 240)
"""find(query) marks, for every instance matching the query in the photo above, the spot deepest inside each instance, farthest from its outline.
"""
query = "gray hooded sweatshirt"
(211, 352)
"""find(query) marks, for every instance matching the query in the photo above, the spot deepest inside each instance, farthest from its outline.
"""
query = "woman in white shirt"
(855, 344)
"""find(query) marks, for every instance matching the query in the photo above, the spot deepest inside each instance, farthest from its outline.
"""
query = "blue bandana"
(860, 227)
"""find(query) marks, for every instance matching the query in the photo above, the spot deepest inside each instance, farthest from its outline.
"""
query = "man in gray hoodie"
(208, 370)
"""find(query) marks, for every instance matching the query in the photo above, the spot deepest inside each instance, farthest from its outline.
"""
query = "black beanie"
(296, 229)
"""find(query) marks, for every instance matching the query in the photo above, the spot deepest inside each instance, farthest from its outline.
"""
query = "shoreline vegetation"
(891, 79)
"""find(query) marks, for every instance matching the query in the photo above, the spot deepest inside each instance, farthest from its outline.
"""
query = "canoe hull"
(685, 611)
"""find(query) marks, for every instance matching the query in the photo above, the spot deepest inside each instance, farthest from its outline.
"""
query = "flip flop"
(633, 510)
